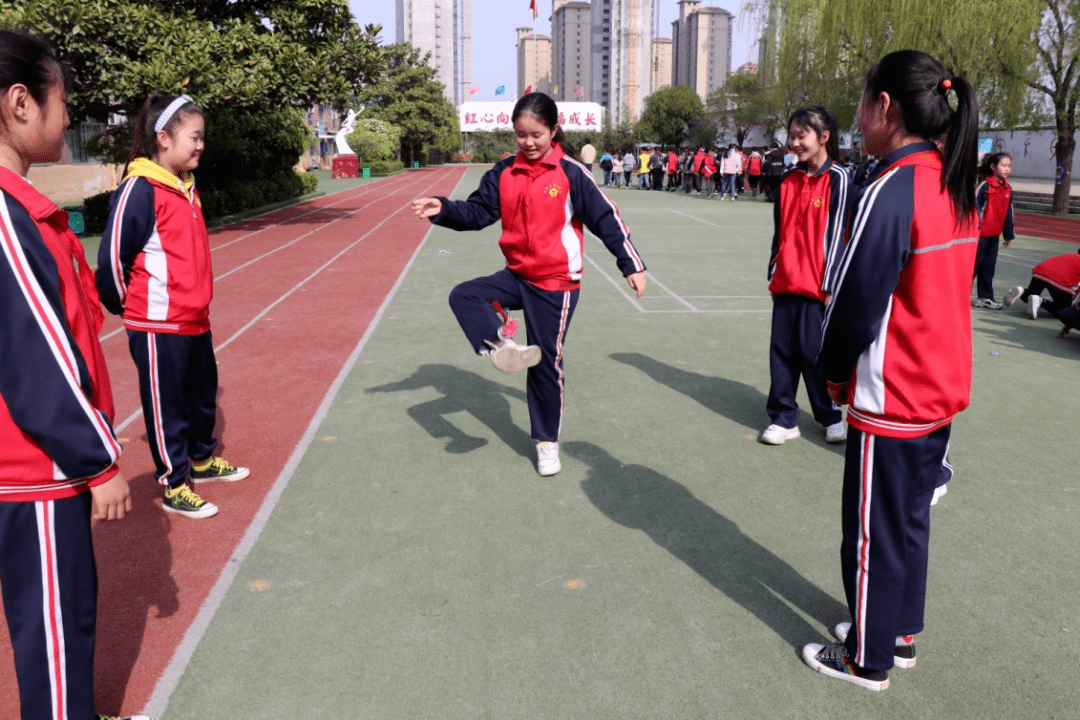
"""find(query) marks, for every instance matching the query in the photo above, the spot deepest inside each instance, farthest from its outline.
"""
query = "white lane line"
(155, 706)
(135, 415)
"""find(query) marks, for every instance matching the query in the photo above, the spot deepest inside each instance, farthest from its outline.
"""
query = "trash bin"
(76, 219)
(367, 173)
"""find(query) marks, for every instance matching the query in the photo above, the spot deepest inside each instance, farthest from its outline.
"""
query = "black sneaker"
(217, 469)
(182, 500)
(904, 654)
(833, 660)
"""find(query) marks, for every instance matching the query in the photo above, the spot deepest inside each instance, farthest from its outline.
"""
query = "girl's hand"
(1007, 243)
(427, 207)
(637, 282)
(112, 499)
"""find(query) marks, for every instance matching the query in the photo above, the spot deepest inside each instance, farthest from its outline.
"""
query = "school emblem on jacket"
(817, 202)
(553, 189)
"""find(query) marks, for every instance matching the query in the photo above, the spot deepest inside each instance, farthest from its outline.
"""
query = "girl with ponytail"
(545, 199)
(897, 349)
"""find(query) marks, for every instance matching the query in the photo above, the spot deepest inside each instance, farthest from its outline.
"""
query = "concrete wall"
(1032, 152)
(71, 184)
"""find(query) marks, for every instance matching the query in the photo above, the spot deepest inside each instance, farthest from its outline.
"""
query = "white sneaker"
(1012, 295)
(511, 358)
(547, 458)
(939, 492)
(1034, 301)
(776, 435)
(836, 433)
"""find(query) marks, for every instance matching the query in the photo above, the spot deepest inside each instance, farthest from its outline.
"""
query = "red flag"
(532, 6)
(528, 89)
(579, 92)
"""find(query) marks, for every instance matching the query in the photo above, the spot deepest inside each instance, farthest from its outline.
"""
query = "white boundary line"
(169, 679)
(262, 313)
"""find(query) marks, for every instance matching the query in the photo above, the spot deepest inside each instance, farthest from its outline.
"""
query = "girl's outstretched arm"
(427, 207)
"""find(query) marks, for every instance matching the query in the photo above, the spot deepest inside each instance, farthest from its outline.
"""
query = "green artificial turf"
(417, 567)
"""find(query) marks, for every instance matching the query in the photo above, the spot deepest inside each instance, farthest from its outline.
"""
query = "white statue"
(340, 137)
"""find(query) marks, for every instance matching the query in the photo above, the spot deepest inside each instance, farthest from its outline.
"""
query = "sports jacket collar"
(521, 164)
(903, 153)
(39, 206)
(144, 167)
(821, 170)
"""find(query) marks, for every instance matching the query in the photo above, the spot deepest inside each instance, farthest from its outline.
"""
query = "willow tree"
(1022, 56)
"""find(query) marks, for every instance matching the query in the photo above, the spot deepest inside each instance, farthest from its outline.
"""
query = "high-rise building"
(701, 49)
(601, 53)
(661, 71)
(533, 61)
(571, 50)
(440, 27)
(631, 56)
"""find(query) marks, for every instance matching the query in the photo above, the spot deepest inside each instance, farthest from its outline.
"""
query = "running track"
(1050, 227)
(295, 292)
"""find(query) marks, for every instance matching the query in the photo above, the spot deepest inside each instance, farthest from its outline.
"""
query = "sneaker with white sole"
(99, 716)
(1012, 296)
(547, 458)
(903, 655)
(836, 433)
(182, 500)
(1034, 301)
(512, 357)
(777, 435)
(939, 492)
(987, 303)
(833, 660)
(217, 468)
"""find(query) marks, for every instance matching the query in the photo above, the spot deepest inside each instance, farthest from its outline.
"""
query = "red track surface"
(1047, 226)
(286, 315)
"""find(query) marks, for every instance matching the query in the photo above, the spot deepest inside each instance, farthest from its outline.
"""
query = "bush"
(310, 181)
(96, 212)
(384, 167)
(374, 139)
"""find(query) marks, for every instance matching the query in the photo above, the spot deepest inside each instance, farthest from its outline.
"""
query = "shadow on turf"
(637, 497)
(463, 391)
(1040, 336)
(737, 401)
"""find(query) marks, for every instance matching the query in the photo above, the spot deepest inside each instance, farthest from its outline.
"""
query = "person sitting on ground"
(1059, 275)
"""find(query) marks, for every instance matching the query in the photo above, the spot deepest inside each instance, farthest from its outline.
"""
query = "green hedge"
(310, 181)
(96, 211)
(382, 167)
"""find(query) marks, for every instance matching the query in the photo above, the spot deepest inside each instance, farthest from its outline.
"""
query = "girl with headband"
(154, 270)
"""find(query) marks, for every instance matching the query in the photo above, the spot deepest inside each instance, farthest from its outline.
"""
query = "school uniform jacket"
(56, 408)
(810, 220)
(1061, 272)
(897, 334)
(544, 207)
(993, 200)
(154, 258)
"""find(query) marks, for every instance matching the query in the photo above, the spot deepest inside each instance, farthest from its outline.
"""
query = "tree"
(239, 53)
(617, 137)
(668, 113)
(1014, 52)
(375, 139)
(741, 103)
(406, 95)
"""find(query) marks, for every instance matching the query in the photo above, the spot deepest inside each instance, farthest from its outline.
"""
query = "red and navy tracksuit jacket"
(56, 441)
(898, 329)
(56, 408)
(544, 208)
(810, 222)
(154, 260)
(993, 200)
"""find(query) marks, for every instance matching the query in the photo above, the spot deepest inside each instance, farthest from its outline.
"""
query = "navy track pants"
(547, 318)
(793, 350)
(49, 583)
(178, 384)
(888, 485)
(985, 264)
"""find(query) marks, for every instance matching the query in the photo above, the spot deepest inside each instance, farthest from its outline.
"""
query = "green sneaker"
(182, 500)
(216, 468)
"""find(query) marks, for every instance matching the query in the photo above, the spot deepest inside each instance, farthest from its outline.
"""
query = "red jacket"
(544, 207)
(810, 225)
(898, 330)
(1060, 271)
(672, 163)
(699, 158)
(993, 199)
(56, 409)
(154, 258)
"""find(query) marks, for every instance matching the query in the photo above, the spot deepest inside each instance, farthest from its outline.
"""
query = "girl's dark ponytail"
(546, 111)
(920, 86)
(986, 169)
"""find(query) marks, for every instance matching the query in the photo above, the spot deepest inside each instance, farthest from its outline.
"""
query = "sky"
(494, 55)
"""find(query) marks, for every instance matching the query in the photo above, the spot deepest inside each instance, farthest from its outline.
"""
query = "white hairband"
(165, 116)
